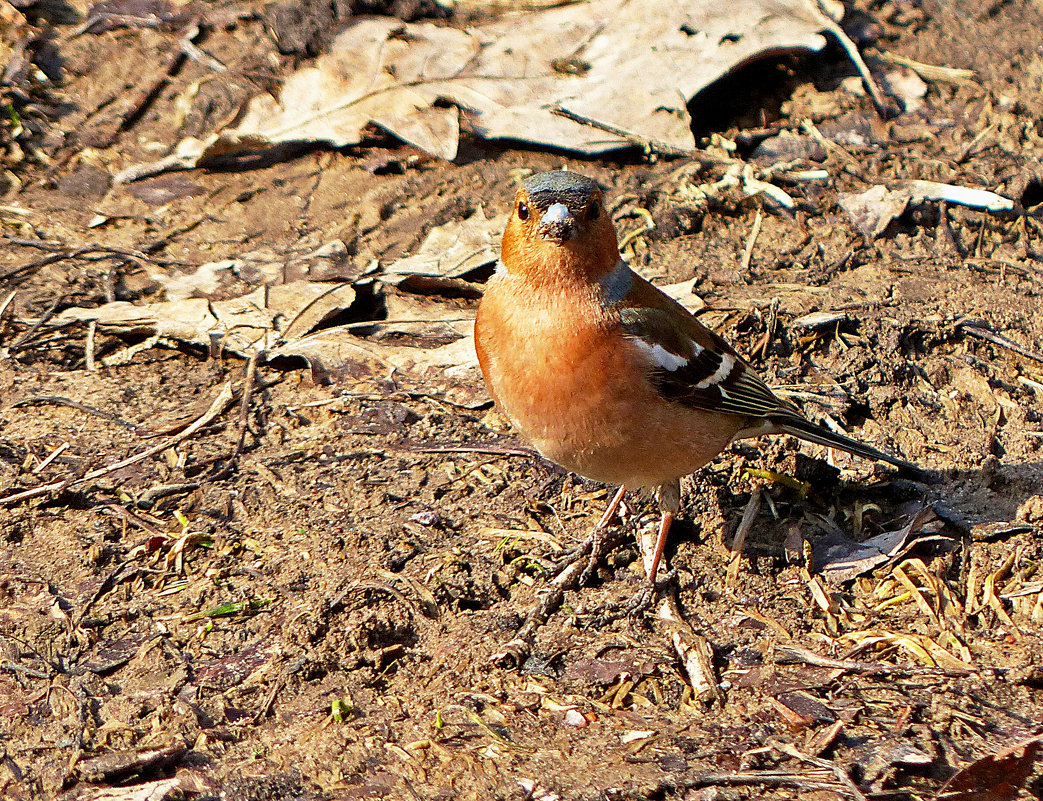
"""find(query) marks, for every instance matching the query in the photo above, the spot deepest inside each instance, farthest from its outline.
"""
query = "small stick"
(47, 315)
(974, 328)
(58, 400)
(648, 145)
(751, 240)
(693, 650)
(789, 653)
(849, 47)
(221, 402)
(244, 417)
(491, 450)
(7, 302)
(54, 455)
(739, 542)
(92, 330)
(852, 790)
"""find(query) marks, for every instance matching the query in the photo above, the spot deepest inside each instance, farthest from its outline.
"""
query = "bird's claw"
(638, 604)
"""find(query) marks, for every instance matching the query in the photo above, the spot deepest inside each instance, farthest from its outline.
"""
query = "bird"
(602, 372)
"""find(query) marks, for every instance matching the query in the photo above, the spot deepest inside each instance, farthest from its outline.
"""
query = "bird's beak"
(557, 224)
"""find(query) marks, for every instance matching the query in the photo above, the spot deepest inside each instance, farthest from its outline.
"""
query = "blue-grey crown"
(570, 188)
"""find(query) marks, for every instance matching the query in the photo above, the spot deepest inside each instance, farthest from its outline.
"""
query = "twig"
(945, 230)
(244, 418)
(54, 455)
(648, 145)
(28, 671)
(769, 778)
(115, 577)
(106, 251)
(851, 789)
(490, 450)
(970, 147)
(143, 97)
(739, 543)
(789, 653)
(751, 240)
(6, 303)
(92, 331)
(693, 650)
(829, 145)
(929, 72)
(976, 328)
(849, 47)
(58, 400)
(221, 402)
(649, 226)
(25, 338)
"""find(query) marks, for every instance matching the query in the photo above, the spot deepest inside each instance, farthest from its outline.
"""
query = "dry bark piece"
(126, 763)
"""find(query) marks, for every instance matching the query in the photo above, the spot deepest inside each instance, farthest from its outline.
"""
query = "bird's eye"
(594, 209)
(523, 211)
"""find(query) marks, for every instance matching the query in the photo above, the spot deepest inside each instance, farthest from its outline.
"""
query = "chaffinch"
(605, 374)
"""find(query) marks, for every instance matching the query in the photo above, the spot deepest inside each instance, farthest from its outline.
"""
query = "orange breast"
(561, 369)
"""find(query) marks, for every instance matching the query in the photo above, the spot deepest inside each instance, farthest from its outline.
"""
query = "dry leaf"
(839, 558)
(452, 250)
(256, 322)
(873, 210)
(630, 66)
(998, 777)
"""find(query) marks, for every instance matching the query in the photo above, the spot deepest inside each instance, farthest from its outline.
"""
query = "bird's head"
(560, 230)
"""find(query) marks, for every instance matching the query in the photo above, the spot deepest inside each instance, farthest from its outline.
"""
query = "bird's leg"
(669, 496)
(594, 545)
(597, 539)
(669, 504)
(571, 574)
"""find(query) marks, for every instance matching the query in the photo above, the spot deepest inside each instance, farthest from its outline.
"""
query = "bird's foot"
(636, 605)
(570, 573)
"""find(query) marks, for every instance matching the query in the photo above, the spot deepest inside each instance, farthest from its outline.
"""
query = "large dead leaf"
(998, 777)
(449, 252)
(623, 69)
(259, 321)
(839, 558)
(284, 321)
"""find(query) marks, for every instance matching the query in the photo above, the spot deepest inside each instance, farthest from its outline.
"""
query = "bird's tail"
(785, 423)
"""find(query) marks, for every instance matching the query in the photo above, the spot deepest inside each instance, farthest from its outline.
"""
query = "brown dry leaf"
(335, 351)
(281, 321)
(999, 777)
(452, 250)
(839, 558)
(249, 324)
(630, 66)
(873, 210)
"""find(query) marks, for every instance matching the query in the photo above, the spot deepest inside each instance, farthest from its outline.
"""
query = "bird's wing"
(691, 364)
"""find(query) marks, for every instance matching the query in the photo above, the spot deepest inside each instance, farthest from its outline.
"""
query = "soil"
(306, 597)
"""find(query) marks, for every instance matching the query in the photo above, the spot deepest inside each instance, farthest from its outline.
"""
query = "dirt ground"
(305, 597)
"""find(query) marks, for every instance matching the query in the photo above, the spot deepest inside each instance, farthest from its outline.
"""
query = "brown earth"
(317, 616)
